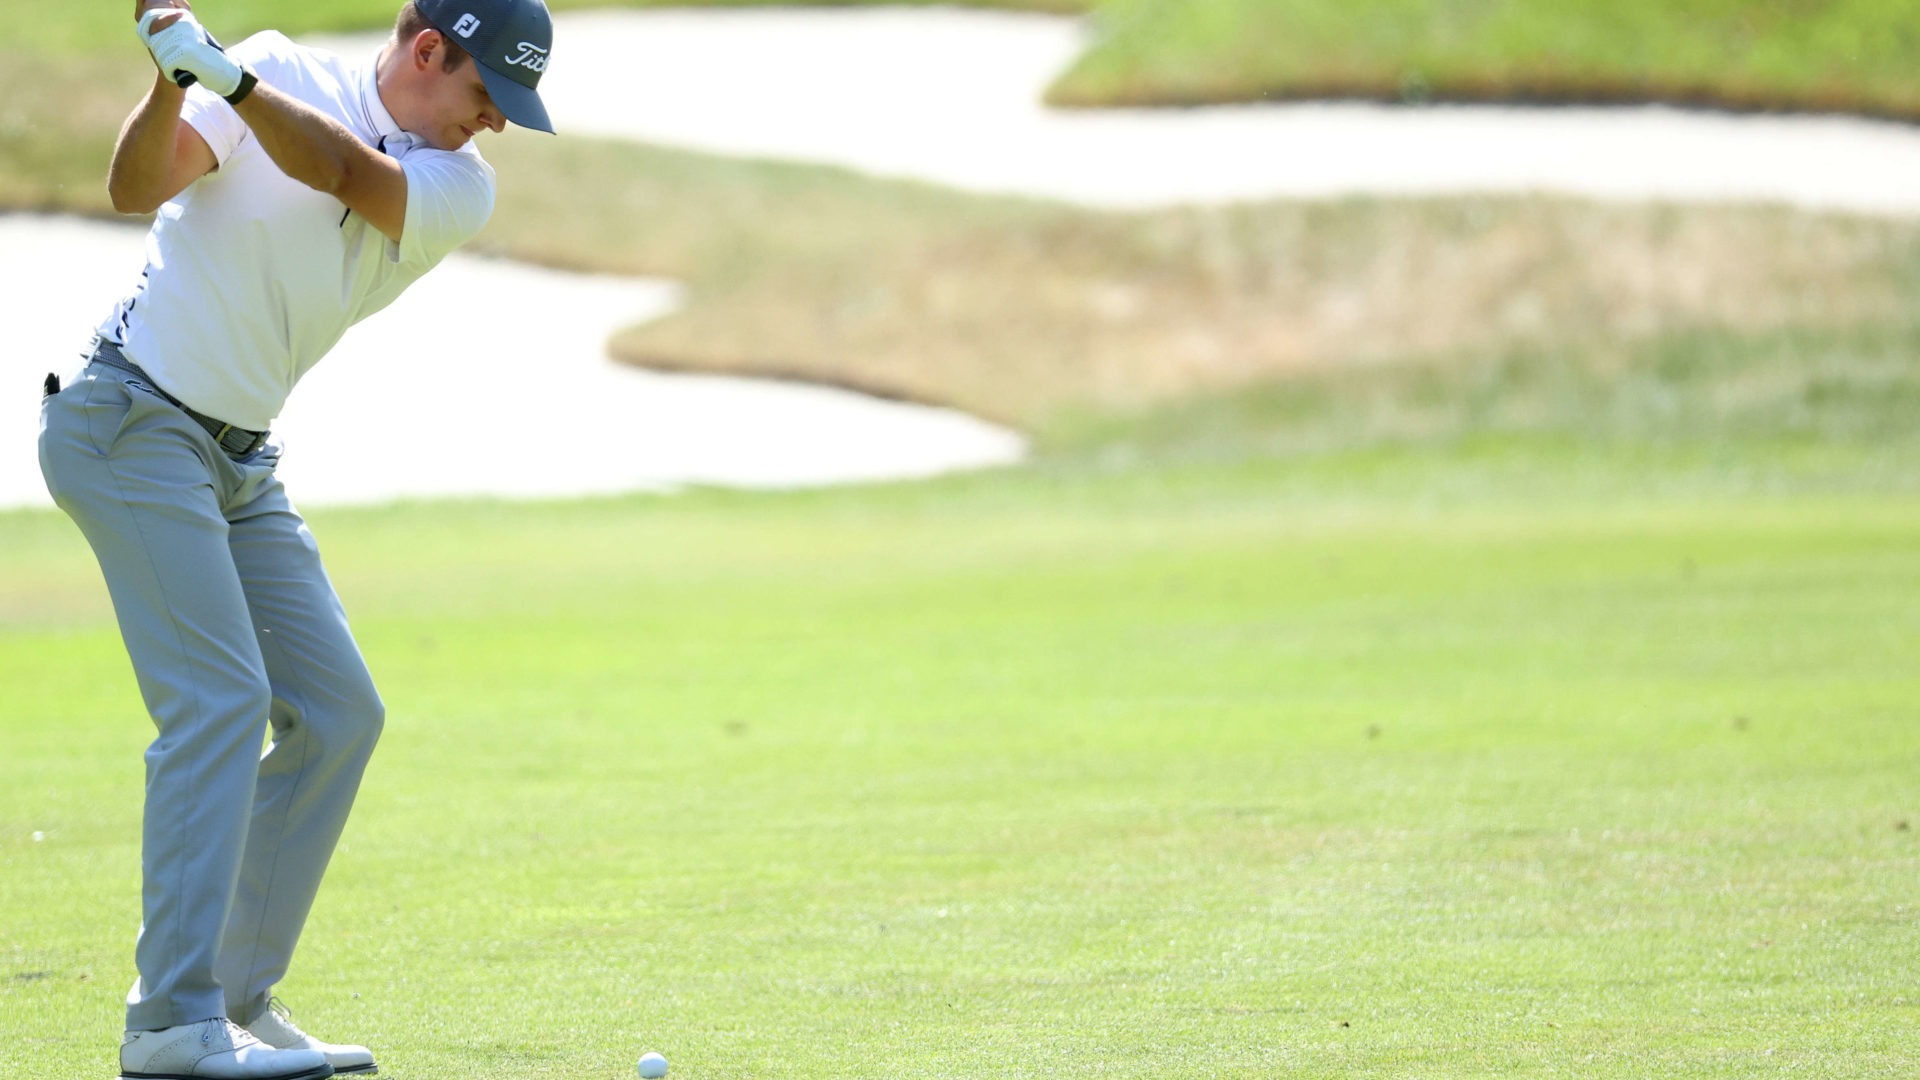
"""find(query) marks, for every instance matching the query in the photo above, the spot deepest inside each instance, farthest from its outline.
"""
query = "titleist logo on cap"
(531, 56)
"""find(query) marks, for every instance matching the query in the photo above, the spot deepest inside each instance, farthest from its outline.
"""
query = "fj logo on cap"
(467, 25)
(531, 56)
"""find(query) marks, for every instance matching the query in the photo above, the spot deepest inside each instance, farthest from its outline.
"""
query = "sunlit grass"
(1750, 54)
(1369, 765)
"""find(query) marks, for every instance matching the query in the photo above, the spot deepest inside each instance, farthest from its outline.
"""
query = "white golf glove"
(186, 52)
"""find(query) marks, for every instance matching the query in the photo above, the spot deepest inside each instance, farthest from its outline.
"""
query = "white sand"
(524, 404)
(953, 96)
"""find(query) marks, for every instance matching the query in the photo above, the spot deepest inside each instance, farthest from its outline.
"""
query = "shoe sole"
(358, 1070)
(321, 1073)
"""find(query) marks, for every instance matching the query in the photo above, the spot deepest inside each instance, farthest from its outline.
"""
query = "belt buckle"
(236, 452)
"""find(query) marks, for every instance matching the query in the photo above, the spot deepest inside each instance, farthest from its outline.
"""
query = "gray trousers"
(232, 626)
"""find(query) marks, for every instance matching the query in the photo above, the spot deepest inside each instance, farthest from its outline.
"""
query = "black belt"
(237, 442)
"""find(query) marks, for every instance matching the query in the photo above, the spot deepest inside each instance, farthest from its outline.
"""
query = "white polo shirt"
(252, 276)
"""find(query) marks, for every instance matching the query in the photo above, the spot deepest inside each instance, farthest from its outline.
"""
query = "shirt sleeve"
(449, 199)
(215, 120)
(210, 114)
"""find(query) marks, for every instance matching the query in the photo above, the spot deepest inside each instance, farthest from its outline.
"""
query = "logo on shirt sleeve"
(531, 56)
(467, 25)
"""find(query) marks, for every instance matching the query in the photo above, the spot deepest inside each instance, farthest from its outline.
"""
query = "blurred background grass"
(1047, 317)
(1071, 323)
(1854, 56)
(1850, 56)
(1017, 310)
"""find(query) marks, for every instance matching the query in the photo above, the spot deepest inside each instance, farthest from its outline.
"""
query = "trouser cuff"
(248, 1011)
(158, 1014)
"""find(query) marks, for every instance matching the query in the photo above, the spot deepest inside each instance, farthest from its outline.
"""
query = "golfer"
(298, 192)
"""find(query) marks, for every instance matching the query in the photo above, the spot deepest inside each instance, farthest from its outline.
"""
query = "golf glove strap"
(186, 52)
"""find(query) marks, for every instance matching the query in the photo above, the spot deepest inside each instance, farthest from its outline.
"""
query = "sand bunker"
(954, 96)
(510, 407)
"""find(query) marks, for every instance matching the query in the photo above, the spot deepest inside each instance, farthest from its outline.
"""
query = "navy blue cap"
(510, 40)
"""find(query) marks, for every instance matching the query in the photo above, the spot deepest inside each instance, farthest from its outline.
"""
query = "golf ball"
(652, 1066)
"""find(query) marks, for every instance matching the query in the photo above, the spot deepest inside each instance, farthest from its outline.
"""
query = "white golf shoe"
(214, 1050)
(276, 1028)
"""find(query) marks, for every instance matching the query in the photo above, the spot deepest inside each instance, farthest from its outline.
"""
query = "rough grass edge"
(1544, 91)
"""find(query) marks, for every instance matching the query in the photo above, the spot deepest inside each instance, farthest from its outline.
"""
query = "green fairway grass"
(1856, 56)
(1516, 760)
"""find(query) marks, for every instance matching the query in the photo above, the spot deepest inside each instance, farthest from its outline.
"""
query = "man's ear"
(426, 48)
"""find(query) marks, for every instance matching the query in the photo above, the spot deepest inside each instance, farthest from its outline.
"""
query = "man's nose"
(494, 119)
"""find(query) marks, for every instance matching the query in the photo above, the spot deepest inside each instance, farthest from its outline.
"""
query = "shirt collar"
(375, 110)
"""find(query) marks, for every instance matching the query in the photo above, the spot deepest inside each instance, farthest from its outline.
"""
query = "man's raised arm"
(320, 152)
(306, 144)
(156, 156)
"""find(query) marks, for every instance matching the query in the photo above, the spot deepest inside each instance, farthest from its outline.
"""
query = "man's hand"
(165, 7)
(185, 51)
(169, 13)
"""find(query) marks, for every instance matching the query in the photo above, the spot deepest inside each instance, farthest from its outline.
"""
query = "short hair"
(408, 26)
